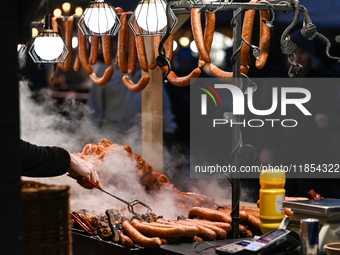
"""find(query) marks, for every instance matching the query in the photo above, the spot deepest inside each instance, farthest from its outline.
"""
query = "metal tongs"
(130, 204)
(84, 224)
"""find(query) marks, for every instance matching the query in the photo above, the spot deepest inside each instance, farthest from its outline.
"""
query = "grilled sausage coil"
(100, 81)
(264, 39)
(183, 81)
(122, 44)
(198, 34)
(94, 49)
(210, 20)
(132, 61)
(106, 47)
(82, 53)
(136, 88)
(247, 31)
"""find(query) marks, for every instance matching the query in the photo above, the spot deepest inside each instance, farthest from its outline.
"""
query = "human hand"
(83, 168)
(266, 156)
(321, 120)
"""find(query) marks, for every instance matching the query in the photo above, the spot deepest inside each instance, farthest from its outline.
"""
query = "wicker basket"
(46, 219)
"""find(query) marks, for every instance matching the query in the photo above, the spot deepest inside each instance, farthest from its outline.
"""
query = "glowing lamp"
(150, 18)
(48, 46)
(151, 15)
(99, 19)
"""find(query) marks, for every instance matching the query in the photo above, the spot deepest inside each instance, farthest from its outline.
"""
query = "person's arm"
(46, 161)
(43, 161)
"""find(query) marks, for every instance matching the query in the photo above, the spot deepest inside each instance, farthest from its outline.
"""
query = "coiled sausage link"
(247, 31)
(210, 20)
(136, 88)
(198, 34)
(100, 81)
(106, 46)
(76, 64)
(94, 49)
(141, 50)
(82, 53)
(132, 61)
(155, 43)
(264, 39)
(183, 81)
(122, 43)
(68, 35)
(169, 46)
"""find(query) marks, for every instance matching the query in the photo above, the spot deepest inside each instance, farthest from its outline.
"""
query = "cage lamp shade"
(151, 15)
(99, 19)
(150, 18)
(48, 46)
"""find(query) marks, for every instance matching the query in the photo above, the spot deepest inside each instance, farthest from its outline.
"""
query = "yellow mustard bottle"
(272, 195)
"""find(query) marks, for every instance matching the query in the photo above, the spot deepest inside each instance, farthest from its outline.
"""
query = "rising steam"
(42, 124)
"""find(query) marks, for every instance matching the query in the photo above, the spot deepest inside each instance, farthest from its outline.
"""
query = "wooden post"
(152, 115)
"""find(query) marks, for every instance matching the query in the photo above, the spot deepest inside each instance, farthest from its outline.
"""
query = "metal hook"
(298, 71)
(328, 46)
(165, 79)
(294, 22)
(287, 4)
(256, 50)
(309, 31)
(232, 22)
(232, 58)
(162, 60)
(211, 10)
(251, 84)
(294, 64)
(305, 14)
(272, 10)
(54, 67)
(215, 10)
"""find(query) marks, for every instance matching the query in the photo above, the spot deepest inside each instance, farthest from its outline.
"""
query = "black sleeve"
(40, 161)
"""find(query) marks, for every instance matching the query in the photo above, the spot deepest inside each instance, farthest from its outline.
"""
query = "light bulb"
(78, 11)
(175, 45)
(193, 47)
(66, 7)
(151, 15)
(48, 48)
(57, 12)
(35, 32)
(99, 20)
(74, 42)
(184, 41)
